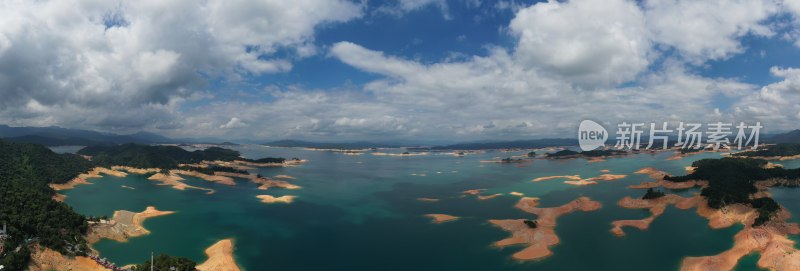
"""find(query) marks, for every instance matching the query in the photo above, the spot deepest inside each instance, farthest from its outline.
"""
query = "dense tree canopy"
(652, 194)
(26, 204)
(732, 180)
(785, 149)
(164, 262)
(157, 156)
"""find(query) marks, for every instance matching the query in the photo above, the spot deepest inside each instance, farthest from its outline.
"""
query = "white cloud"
(87, 58)
(118, 65)
(497, 97)
(233, 124)
(401, 7)
(774, 104)
(708, 30)
(589, 42)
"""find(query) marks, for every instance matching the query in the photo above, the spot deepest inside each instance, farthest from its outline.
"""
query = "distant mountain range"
(517, 144)
(358, 145)
(57, 136)
(790, 137)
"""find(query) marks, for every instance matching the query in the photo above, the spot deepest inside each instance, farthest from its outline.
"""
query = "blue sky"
(428, 70)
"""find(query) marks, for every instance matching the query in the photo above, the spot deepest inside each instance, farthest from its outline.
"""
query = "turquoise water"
(361, 213)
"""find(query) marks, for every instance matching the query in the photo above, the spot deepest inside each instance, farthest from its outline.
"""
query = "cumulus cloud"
(234, 123)
(587, 41)
(497, 97)
(86, 59)
(708, 30)
(119, 65)
(775, 103)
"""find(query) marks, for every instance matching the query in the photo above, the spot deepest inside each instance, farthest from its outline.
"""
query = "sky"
(411, 70)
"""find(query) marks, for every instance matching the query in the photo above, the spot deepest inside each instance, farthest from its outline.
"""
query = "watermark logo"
(636, 136)
(591, 135)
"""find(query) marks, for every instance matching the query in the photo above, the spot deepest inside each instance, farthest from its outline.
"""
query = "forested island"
(735, 180)
(564, 154)
(34, 219)
(777, 150)
(163, 156)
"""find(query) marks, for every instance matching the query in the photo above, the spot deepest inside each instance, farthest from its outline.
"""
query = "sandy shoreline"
(265, 183)
(175, 181)
(539, 239)
(656, 207)
(777, 251)
(82, 178)
(211, 178)
(220, 257)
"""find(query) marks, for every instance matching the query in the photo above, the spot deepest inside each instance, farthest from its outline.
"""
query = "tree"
(652, 194)
(164, 262)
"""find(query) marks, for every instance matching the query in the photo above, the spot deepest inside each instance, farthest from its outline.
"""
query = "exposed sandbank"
(272, 199)
(441, 218)
(539, 239)
(211, 178)
(265, 183)
(283, 177)
(220, 257)
(477, 194)
(123, 225)
(577, 180)
(175, 182)
(427, 199)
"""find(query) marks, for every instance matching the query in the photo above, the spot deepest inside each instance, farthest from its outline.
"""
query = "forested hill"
(26, 204)
(733, 180)
(146, 156)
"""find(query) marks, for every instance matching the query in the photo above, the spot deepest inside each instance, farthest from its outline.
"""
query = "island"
(538, 235)
(577, 180)
(32, 174)
(782, 151)
(272, 199)
(441, 218)
(593, 156)
(733, 191)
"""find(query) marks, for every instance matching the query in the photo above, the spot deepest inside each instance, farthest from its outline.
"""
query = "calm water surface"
(361, 213)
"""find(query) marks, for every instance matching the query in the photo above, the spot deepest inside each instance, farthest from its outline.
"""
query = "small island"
(540, 234)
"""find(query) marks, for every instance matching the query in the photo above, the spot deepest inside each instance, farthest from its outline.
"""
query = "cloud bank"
(119, 65)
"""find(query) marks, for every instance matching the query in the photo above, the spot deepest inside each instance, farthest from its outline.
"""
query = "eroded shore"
(542, 236)
(220, 257)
